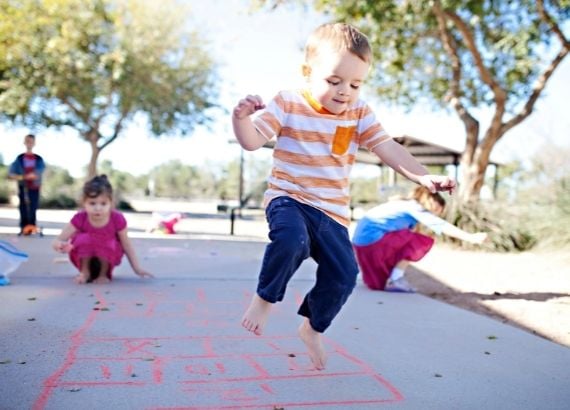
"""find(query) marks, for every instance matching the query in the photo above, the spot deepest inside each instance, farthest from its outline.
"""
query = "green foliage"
(59, 189)
(58, 201)
(4, 185)
(412, 64)
(364, 191)
(546, 195)
(502, 224)
(229, 181)
(92, 65)
(176, 180)
(122, 182)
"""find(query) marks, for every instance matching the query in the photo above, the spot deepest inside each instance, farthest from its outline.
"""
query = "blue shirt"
(394, 216)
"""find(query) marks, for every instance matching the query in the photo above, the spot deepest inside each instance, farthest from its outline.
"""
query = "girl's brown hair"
(427, 199)
(98, 185)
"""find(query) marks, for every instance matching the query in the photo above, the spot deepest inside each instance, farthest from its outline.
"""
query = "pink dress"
(377, 260)
(102, 242)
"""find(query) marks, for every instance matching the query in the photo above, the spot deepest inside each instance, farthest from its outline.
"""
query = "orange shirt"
(315, 150)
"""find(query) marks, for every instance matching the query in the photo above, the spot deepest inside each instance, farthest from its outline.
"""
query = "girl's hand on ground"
(143, 273)
(248, 106)
(80, 279)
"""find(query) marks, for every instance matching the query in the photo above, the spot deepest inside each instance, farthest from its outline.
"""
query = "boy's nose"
(343, 91)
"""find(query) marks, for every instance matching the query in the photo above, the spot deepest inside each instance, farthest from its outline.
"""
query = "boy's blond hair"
(339, 36)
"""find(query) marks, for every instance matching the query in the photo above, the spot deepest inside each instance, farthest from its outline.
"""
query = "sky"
(261, 53)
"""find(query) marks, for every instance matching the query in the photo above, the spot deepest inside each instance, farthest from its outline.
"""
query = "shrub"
(59, 201)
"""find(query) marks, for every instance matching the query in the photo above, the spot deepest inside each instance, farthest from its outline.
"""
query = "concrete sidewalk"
(175, 342)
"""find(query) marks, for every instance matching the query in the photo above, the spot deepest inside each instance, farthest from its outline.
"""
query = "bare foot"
(102, 279)
(312, 340)
(256, 315)
(81, 278)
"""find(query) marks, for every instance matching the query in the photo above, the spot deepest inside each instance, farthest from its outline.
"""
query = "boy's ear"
(306, 70)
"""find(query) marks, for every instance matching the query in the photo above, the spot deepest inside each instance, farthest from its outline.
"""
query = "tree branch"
(117, 131)
(547, 19)
(537, 90)
(543, 79)
(500, 96)
(471, 124)
(486, 76)
(83, 116)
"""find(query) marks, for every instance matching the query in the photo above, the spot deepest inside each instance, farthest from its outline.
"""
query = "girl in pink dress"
(96, 237)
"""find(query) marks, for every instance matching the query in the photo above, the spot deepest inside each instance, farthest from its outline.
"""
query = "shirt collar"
(315, 105)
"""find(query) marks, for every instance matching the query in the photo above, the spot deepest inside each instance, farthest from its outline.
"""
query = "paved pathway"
(175, 343)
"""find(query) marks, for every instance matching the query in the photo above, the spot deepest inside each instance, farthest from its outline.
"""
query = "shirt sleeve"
(78, 220)
(425, 217)
(371, 131)
(16, 167)
(119, 221)
(271, 120)
(40, 164)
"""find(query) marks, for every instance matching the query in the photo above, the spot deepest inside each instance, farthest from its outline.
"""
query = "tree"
(470, 55)
(97, 65)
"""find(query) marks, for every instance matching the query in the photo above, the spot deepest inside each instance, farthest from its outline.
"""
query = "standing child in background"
(318, 130)
(96, 238)
(27, 169)
(385, 243)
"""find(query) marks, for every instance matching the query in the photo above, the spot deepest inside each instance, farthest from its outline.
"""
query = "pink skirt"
(377, 260)
(87, 245)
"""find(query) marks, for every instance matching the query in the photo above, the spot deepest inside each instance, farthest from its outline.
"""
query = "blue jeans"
(298, 231)
(29, 201)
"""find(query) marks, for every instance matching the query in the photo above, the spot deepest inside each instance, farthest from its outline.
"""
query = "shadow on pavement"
(428, 286)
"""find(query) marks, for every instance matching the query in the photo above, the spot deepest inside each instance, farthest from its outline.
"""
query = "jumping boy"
(318, 131)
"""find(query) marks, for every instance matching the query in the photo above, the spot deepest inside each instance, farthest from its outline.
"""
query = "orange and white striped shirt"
(315, 150)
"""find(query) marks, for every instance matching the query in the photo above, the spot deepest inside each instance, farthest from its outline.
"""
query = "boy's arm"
(16, 172)
(246, 133)
(397, 157)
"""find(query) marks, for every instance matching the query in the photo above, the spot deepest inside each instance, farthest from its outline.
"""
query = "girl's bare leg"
(312, 340)
(83, 275)
(256, 315)
(103, 273)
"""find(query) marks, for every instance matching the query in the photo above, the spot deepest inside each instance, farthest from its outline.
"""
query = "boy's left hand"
(437, 183)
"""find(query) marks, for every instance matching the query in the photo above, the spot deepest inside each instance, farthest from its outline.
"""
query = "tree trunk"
(95, 150)
(473, 169)
(473, 176)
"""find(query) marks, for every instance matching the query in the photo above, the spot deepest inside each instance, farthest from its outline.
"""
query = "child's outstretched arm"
(397, 157)
(248, 137)
(475, 238)
(131, 254)
(61, 242)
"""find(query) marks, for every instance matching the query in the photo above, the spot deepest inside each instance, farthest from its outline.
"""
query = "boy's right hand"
(248, 106)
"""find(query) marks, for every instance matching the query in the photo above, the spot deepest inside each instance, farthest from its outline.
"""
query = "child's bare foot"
(102, 279)
(256, 315)
(81, 278)
(312, 340)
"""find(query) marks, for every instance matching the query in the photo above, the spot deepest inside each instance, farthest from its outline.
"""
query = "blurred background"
(142, 91)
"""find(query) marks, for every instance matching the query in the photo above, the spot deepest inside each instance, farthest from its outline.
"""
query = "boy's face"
(29, 142)
(334, 78)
